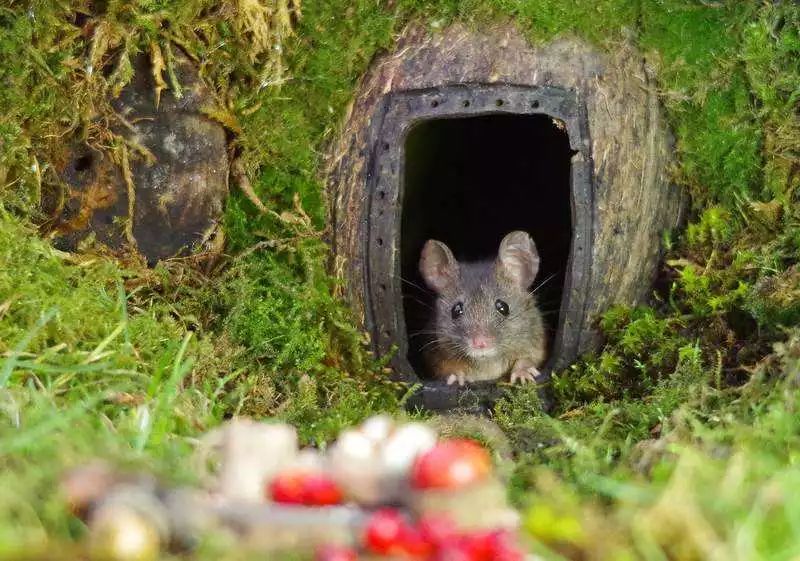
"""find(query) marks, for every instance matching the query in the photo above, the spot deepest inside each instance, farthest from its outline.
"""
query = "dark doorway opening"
(468, 181)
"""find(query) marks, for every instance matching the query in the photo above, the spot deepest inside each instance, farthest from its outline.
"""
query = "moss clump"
(719, 136)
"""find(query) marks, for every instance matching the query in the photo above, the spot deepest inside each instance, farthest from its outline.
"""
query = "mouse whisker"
(549, 312)
(516, 314)
(415, 285)
(439, 341)
(556, 311)
(420, 333)
(452, 345)
(418, 301)
(541, 284)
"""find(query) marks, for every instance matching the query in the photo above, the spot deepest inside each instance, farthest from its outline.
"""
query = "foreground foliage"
(678, 440)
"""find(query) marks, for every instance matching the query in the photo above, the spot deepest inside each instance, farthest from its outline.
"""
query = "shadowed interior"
(468, 182)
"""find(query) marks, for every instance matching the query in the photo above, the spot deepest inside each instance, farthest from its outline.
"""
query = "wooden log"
(628, 152)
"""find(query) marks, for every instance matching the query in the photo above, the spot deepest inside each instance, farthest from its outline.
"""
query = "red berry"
(493, 545)
(288, 488)
(412, 543)
(437, 529)
(383, 531)
(321, 490)
(452, 552)
(507, 550)
(480, 545)
(304, 488)
(451, 464)
(335, 553)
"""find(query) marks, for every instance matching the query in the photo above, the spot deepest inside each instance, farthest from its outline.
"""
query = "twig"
(126, 173)
(240, 177)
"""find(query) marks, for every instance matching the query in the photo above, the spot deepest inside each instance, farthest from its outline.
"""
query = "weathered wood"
(630, 150)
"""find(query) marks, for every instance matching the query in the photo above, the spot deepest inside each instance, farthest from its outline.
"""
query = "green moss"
(714, 228)
(600, 22)
(720, 144)
(286, 133)
(771, 54)
(719, 136)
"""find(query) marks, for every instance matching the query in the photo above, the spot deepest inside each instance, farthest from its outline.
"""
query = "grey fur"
(519, 337)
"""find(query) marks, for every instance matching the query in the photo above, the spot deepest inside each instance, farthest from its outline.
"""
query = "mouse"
(486, 323)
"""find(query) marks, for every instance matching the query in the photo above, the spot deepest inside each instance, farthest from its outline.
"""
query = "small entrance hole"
(471, 180)
(83, 163)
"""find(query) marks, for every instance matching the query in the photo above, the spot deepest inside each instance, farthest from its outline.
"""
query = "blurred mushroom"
(480, 506)
(249, 453)
(371, 463)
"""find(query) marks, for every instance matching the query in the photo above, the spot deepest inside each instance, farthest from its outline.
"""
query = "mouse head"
(483, 309)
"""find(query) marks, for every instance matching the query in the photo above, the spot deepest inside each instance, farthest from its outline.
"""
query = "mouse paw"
(460, 378)
(524, 375)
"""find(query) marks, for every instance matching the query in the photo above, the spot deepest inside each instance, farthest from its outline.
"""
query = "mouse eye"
(501, 307)
(457, 310)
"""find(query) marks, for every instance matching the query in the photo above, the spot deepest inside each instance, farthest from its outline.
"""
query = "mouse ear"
(438, 266)
(518, 260)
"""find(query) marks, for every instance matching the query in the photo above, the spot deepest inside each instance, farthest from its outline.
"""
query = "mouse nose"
(481, 341)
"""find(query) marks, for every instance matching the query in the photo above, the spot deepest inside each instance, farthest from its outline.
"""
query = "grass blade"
(11, 361)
